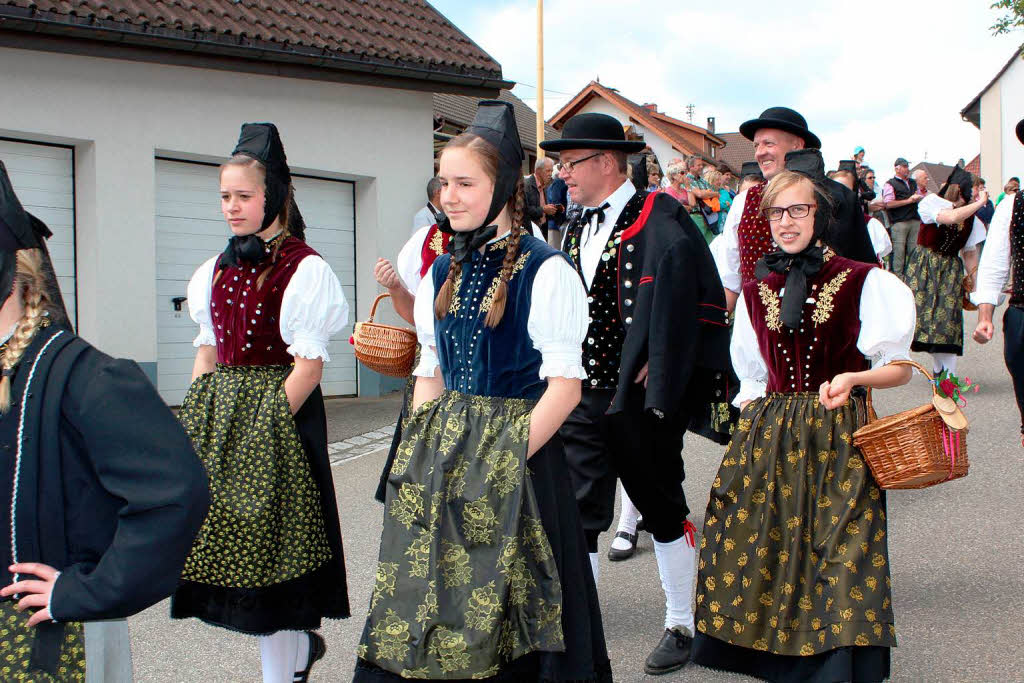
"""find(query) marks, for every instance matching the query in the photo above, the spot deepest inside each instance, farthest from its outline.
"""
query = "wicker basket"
(386, 349)
(913, 449)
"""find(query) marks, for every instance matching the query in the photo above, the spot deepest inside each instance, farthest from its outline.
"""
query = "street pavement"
(955, 551)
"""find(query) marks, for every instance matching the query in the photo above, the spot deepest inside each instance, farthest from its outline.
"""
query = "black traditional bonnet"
(495, 122)
(21, 230)
(962, 178)
(262, 142)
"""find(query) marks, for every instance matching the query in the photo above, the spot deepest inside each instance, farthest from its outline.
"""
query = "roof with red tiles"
(736, 152)
(669, 128)
(404, 38)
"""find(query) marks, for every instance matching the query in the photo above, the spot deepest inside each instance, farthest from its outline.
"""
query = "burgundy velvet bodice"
(826, 343)
(947, 240)
(246, 317)
(753, 235)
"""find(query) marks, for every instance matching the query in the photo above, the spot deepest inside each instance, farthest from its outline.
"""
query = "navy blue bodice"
(474, 358)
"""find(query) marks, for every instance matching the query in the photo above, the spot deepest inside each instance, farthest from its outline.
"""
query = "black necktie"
(797, 268)
(590, 213)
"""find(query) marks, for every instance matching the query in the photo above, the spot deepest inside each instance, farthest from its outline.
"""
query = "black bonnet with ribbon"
(495, 122)
(21, 230)
(962, 178)
(262, 142)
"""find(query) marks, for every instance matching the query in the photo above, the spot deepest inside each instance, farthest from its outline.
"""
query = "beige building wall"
(119, 115)
(991, 139)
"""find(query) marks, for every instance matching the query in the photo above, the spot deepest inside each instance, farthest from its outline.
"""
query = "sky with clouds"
(891, 76)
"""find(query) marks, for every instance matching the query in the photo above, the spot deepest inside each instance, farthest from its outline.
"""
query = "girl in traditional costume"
(793, 580)
(948, 239)
(483, 570)
(101, 494)
(268, 561)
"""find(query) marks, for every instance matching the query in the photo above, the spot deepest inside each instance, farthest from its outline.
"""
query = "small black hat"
(1020, 131)
(262, 142)
(958, 176)
(808, 162)
(17, 229)
(751, 168)
(593, 131)
(782, 118)
(848, 165)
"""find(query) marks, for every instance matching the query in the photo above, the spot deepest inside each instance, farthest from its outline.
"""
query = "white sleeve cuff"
(428, 362)
(49, 601)
(749, 390)
(309, 347)
(886, 356)
(984, 296)
(206, 337)
(562, 362)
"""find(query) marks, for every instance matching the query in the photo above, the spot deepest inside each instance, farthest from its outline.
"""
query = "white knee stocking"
(594, 567)
(943, 361)
(677, 564)
(278, 656)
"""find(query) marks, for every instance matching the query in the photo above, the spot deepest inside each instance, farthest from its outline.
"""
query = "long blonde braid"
(29, 283)
(497, 309)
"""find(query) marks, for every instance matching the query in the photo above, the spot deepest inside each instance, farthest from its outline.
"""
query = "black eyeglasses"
(569, 166)
(774, 213)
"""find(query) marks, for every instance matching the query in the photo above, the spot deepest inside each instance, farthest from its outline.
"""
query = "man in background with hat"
(1004, 246)
(746, 236)
(655, 354)
(900, 198)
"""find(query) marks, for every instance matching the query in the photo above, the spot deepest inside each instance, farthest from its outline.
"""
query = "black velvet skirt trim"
(586, 656)
(856, 664)
(298, 604)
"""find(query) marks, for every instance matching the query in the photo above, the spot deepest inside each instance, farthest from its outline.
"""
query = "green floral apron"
(466, 580)
(26, 656)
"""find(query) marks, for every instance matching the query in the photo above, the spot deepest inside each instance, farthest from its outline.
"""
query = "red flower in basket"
(948, 387)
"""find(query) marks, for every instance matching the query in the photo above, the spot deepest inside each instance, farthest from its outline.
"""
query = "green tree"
(1012, 17)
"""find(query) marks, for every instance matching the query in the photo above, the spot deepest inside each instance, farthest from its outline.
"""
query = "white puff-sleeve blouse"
(557, 324)
(888, 318)
(313, 307)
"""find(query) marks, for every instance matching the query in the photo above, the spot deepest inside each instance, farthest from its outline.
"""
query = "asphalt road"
(955, 549)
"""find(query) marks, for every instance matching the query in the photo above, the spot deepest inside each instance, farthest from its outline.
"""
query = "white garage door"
(190, 229)
(43, 179)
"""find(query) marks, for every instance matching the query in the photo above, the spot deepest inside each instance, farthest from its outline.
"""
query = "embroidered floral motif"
(391, 637)
(823, 309)
(408, 505)
(455, 565)
(385, 583)
(488, 301)
(418, 553)
(454, 307)
(484, 608)
(428, 608)
(478, 521)
(450, 649)
(535, 539)
(437, 243)
(772, 307)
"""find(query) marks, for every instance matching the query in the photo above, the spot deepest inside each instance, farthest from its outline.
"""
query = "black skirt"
(299, 603)
(586, 657)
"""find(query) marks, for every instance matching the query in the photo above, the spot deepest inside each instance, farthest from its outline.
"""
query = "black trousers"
(1013, 353)
(636, 447)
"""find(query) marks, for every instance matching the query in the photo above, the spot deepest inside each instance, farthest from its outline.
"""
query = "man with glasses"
(655, 354)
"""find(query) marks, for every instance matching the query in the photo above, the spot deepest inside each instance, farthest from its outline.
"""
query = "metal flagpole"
(540, 77)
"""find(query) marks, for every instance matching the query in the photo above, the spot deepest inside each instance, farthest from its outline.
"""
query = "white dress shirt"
(424, 217)
(313, 307)
(594, 237)
(725, 248)
(888, 318)
(994, 270)
(932, 205)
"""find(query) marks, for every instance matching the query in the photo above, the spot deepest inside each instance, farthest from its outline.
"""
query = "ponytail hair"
(30, 285)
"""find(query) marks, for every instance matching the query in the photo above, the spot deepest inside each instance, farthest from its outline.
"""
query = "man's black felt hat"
(593, 131)
(781, 118)
(751, 168)
(1020, 131)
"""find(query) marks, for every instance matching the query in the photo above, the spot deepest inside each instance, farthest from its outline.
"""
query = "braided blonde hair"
(489, 158)
(30, 285)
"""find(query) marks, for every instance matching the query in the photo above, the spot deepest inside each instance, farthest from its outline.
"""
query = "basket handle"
(872, 415)
(373, 308)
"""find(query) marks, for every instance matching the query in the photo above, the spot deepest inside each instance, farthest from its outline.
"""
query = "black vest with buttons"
(602, 348)
(1017, 252)
(903, 189)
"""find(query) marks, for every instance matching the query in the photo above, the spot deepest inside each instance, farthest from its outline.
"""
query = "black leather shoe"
(317, 650)
(672, 653)
(614, 554)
